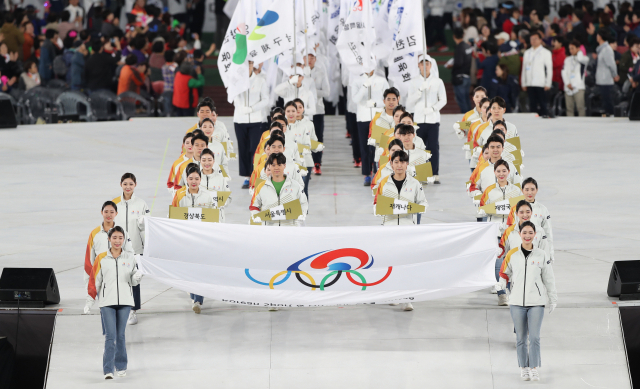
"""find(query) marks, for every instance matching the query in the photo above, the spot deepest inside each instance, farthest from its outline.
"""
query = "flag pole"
(294, 41)
(306, 29)
(424, 52)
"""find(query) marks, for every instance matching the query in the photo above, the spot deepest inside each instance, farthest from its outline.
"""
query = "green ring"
(362, 279)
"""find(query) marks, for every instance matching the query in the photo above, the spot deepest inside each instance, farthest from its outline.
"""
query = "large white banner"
(306, 267)
(356, 39)
(273, 34)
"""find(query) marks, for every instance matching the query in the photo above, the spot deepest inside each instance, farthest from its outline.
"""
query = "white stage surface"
(56, 178)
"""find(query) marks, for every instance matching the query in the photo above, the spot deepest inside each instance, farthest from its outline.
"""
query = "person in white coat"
(131, 218)
(115, 277)
(537, 72)
(573, 79)
(248, 120)
(428, 96)
(530, 273)
(368, 93)
(299, 87)
(319, 75)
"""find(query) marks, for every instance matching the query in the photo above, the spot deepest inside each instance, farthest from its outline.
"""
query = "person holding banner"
(428, 96)
(499, 194)
(323, 90)
(115, 276)
(187, 148)
(406, 133)
(212, 180)
(132, 221)
(479, 93)
(530, 273)
(299, 87)
(200, 142)
(484, 117)
(248, 120)
(483, 175)
(275, 145)
(368, 90)
(386, 169)
(215, 144)
(275, 192)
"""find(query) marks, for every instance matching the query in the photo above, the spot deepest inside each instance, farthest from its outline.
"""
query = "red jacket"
(557, 57)
(181, 92)
(507, 26)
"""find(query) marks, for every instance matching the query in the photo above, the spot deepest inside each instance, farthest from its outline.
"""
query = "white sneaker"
(407, 307)
(108, 376)
(503, 300)
(535, 376)
(494, 290)
(273, 309)
(525, 374)
(394, 304)
(121, 373)
(196, 308)
(133, 318)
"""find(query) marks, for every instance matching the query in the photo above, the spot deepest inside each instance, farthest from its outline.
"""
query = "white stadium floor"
(56, 177)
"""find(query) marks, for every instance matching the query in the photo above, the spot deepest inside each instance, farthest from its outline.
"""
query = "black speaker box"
(30, 287)
(634, 106)
(7, 114)
(624, 281)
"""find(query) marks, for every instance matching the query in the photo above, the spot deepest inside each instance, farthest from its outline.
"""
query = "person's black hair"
(276, 110)
(399, 108)
(206, 102)
(395, 142)
(277, 159)
(480, 89)
(502, 122)
(565, 11)
(538, 33)
(559, 39)
(84, 35)
(67, 41)
(28, 63)
(498, 133)
(280, 117)
(202, 137)
(157, 47)
(495, 139)
(491, 47)
(576, 43)
(153, 11)
(588, 5)
(114, 230)
(405, 129)
(485, 100)
(169, 55)
(404, 157)
(501, 162)
(208, 151)
(50, 33)
(604, 34)
(207, 120)
(530, 180)
(109, 203)
(277, 132)
(139, 42)
(297, 100)
(485, 147)
(187, 136)
(528, 224)
(458, 33)
(290, 104)
(274, 139)
(522, 203)
(65, 16)
(128, 175)
(391, 90)
(193, 168)
(197, 53)
(197, 132)
(275, 124)
(131, 60)
(500, 101)
(579, 13)
(405, 115)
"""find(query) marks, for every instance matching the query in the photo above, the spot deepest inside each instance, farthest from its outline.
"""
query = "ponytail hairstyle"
(128, 175)
(277, 132)
(193, 168)
(399, 108)
(527, 224)
(523, 203)
(396, 142)
(205, 151)
(109, 203)
(501, 162)
(276, 110)
(275, 124)
(115, 229)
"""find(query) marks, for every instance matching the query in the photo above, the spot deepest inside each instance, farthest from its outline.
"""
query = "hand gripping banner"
(308, 267)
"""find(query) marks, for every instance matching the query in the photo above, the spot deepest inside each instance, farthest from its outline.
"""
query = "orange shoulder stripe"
(506, 261)
(485, 195)
(255, 193)
(91, 289)
(379, 190)
(87, 255)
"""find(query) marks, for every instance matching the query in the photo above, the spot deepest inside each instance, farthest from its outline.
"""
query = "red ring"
(373, 283)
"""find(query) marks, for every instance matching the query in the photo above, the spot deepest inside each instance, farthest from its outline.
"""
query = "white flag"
(356, 40)
(405, 20)
(232, 60)
(273, 34)
(384, 37)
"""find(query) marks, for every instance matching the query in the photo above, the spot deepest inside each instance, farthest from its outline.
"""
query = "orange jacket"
(130, 80)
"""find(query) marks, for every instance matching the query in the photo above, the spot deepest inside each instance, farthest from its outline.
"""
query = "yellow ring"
(274, 278)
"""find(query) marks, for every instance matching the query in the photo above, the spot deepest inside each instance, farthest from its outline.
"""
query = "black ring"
(303, 282)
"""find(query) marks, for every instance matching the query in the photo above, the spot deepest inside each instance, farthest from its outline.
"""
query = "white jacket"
(511, 238)
(266, 197)
(257, 98)
(541, 217)
(362, 94)
(97, 247)
(352, 106)
(307, 93)
(532, 279)
(537, 68)
(436, 98)
(114, 280)
(292, 170)
(572, 73)
(323, 90)
(216, 182)
(495, 193)
(436, 7)
(487, 177)
(411, 191)
(130, 217)
(202, 199)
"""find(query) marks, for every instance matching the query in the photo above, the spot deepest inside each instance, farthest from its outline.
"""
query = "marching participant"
(115, 276)
(406, 133)
(484, 117)
(428, 96)
(98, 243)
(215, 145)
(523, 212)
(308, 134)
(501, 190)
(367, 92)
(212, 179)
(323, 90)
(299, 87)
(275, 145)
(207, 110)
(187, 155)
(200, 143)
(530, 273)
(483, 175)
(497, 109)
(386, 169)
(351, 119)
(479, 93)
(278, 190)
(248, 120)
(385, 118)
(131, 219)
(405, 118)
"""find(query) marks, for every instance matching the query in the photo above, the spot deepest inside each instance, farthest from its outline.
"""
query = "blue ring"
(246, 271)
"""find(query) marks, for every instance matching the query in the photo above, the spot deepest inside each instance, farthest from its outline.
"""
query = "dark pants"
(366, 151)
(352, 127)
(318, 124)
(429, 132)
(306, 180)
(248, 136)
(196, 298)
(184, 112)
(537, 100)
(435, 30)
(462, 95)
(606, 97)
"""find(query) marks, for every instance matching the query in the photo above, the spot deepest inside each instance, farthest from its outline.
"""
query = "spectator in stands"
(537, 74)
(468, 19)
(435, 24)
(48, 53)
(222, 22)
(168, 75)
(510, 57)
(77, 66)
(635, 23)
(101, 65)
(76, 13)
(30, 42)
(577, 30)
(65, 24)
(506, 86)
(52, 21)
(514, 20)
(185, 88)
(606, 71)
(110, 23)
(461, 70)
(131, 75)
(629, 58)
(139, 44)
(156, 59)
(13, 37)
(573, 77)
(558, 55)
(141, 14)
(30, 77)
(488, 66)
(536, 23)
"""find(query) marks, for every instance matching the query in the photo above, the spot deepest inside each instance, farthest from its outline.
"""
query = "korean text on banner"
(274, 33)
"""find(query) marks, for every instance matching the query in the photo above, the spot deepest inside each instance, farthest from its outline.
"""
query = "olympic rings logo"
(322, 261)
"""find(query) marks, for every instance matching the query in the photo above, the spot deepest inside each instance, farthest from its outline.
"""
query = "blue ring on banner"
(246, 271)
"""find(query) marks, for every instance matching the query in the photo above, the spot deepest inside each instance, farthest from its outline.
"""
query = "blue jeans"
(167, 97)
(528, 320)
(462, 95)
(606, 98)
(196, 298)
(114, 322)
